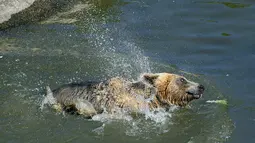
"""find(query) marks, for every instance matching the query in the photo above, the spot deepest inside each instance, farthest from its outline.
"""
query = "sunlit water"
(126, 40)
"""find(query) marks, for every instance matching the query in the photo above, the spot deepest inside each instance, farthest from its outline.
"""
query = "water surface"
(207, 41)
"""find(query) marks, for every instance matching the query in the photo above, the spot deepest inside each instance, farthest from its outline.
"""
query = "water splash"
(160, 115)
(119, 54)
(153, 123)
(150, 122)
(99, 130)
(115, 46)
(51, 101)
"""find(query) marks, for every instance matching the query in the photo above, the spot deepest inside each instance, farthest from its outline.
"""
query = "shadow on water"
(39, 10)
(57, 11)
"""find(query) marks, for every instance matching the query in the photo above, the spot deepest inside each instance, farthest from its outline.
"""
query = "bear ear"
(149, 78)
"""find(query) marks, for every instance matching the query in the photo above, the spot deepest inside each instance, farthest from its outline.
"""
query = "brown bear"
(159, 90)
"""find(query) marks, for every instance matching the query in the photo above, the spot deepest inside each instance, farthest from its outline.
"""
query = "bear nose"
(201, 88)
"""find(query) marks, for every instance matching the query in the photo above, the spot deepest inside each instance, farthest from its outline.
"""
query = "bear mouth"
(195, 95)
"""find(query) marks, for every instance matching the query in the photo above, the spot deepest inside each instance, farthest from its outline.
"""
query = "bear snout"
(201, 88)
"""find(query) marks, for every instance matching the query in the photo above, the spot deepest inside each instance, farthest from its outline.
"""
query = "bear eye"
(183, 80)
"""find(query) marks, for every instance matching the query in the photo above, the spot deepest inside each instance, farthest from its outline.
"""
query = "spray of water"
(120, 56)
(116, 47)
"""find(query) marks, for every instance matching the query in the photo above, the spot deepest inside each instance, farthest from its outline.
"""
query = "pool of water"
(207, 41)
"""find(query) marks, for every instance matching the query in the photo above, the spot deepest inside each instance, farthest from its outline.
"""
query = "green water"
(208, 42)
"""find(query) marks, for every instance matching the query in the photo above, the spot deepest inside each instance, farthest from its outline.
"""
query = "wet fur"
(151, 91)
